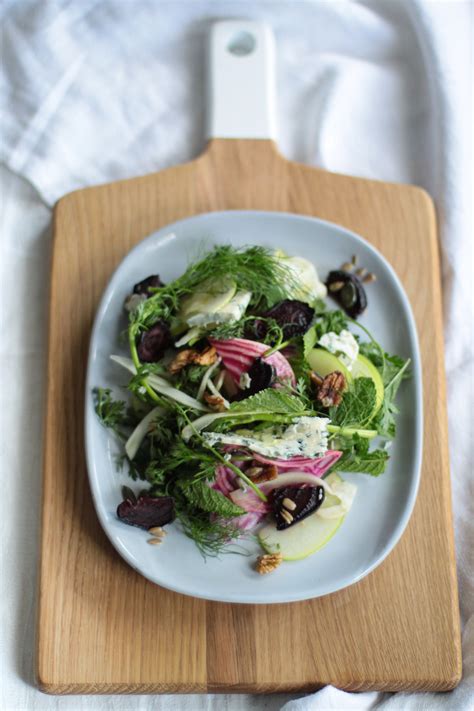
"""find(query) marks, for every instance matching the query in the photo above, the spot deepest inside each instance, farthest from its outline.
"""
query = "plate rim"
(412, 491)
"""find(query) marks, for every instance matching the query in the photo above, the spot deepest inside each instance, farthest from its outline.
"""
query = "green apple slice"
(306, 537)
(323, 363)
(363, 368)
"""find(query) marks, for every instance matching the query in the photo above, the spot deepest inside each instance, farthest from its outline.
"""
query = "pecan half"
(269, 562)
(192, 357)
(259, 472)
(331, 389)
(215, 402)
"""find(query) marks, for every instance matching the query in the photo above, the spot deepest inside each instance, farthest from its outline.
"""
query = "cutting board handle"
(241, 80)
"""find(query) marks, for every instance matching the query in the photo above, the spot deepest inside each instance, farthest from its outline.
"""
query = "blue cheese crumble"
(344, 345)
(306, 437)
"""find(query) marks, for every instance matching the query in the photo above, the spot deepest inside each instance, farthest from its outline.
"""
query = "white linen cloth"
(96, 90)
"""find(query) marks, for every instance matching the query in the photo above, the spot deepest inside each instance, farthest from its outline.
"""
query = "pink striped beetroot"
(238, 354)
(312, 465)
(247, 521)
(225, 481)
(249, 501)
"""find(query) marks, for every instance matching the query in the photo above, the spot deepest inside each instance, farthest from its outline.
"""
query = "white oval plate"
(382, 506)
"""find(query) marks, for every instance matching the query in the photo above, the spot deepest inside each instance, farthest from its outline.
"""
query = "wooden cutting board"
(102, 628)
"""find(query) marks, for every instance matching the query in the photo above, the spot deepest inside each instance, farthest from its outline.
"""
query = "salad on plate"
(252, 388)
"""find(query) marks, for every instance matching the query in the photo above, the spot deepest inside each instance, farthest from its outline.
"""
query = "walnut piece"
(192, 357)
(259, 472)
(330, 391)
(269, 562)
(215, 402)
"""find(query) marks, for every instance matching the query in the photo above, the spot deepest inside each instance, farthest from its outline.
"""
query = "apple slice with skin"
(323, 363)
(306, 537)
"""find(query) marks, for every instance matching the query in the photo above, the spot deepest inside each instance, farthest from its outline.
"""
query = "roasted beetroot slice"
(347, 289)
(153, 343)
(293, 317)
(292, 504)
(147, 511)
(261, 376)
(146, 285)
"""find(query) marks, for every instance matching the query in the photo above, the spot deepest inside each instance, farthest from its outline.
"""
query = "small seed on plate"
(369, 278)
(361, 272)
(289, 504)
(155, 541)
(354, 259)
(336, 286)
(347, 267)
(157, 531)
(286, 516)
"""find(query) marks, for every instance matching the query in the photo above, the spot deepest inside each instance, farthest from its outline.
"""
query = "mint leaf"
(357, 405)
(356, 457)
(373, 463)
(200, 495)
(269, 401)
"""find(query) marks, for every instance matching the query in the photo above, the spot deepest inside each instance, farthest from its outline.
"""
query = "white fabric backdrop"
(95, 90)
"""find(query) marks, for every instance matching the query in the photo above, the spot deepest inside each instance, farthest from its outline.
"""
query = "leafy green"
(357, 405)
(248, 327)
(269, 401)
(189, 378)
(211, 536)
(393, 370)
(180, 459)
(275, 280)
(111, 413)
(200, 495)
(357, 457)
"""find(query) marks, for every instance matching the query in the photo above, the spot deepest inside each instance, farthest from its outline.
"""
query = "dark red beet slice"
(154, 342)
(261, 376)
(292, 504)
(293, 317)
(347, 289)
(147, 511)
(145, 286)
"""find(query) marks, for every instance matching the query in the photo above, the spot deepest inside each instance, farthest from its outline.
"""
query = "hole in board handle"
(241, 43)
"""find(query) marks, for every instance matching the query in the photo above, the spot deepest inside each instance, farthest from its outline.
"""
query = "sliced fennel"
(205, 378)
(345, 492)
(139, 433)
(162, 386)
(211, 296)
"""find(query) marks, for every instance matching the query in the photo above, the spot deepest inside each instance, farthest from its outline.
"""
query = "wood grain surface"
(102, 628)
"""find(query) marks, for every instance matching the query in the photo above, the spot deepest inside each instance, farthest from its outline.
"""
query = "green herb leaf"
(111, 413)
(357, 405)
(270, 401)
(200, 495)
(393, 370)
(357, 458)
(212, 537)
(275, 281)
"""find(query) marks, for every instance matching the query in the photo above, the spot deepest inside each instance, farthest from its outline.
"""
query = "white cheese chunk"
(344, 345)
(306, 437)
(310, 287)
(244, 381)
